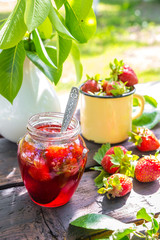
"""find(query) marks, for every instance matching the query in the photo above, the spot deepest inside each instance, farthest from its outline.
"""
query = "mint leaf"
(36, 12)
(101, 152)
(122, 234)
(148, 119)
(97, 168)
(11, 71)
(99, 222)
(151, 101)
(142, 214)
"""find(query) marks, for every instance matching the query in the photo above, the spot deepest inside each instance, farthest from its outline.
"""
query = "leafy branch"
(118, 230)
(36, 29)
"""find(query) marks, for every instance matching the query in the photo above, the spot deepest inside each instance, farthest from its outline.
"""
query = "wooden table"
(21, 219)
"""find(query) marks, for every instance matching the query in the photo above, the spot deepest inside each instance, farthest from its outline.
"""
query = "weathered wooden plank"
(21, 218)
(9, 170)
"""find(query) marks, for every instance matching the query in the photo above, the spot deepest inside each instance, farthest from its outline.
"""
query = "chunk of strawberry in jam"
(39, 171)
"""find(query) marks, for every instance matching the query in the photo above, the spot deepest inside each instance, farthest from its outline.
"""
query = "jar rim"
(42, 119)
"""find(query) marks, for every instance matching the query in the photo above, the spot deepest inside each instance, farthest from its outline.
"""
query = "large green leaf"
(99, 222)
(148, 119)
(76, 59)
(14, 28)
(11, 71)
(40, 49)
(82, 27)
(64, 47)
(58, 24)
(59, 3)
(52, 73)
(36, 12)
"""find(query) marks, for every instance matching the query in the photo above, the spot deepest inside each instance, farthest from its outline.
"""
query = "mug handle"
(141, 106)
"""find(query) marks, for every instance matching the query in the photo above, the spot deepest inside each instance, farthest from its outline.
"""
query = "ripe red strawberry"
(107, 163)
(104, 85)
(117, 185)
(144, 139)
(91, 86)
(115, 88)
(147, 169)
(118, 159)
(128, 75)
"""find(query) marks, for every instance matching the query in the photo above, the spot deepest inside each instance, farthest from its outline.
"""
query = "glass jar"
(51, 162)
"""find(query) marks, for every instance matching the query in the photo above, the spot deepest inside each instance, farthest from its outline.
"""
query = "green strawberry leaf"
(151, 101)
(142, 214)
(148, 119)
(97, 168)
(135, 138)
(99, 179)
(116, 69)
(100, 222)
(101, 152)
(119, 89)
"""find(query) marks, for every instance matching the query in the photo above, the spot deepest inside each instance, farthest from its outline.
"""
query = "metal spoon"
(70, 108)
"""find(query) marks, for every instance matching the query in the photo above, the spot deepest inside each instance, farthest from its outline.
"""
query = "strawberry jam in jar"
(51, 162)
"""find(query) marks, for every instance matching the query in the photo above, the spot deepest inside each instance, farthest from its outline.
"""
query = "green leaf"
(142, 214)
(155, 225)
(148, 119)
(99, 168)
(101, 152)
(64, 47)
(36, 12)
(40, 49)
(151, 101)
(58, 24)
(81, 26)
(122, 234)
(45, 29)
(99, 179)
(14, 28)
(59, 3)
(99, 222)
(52, 73)
(11, 71)
(77, 63)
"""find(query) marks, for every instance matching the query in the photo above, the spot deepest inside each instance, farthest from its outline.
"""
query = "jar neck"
(46, 127)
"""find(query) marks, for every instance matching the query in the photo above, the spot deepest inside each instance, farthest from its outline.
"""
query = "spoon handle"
(70, 108)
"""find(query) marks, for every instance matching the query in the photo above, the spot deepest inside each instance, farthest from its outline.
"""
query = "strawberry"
(117, 185)
(128, 76)
(39, 171)
(147, 168)
(118, 159)
(91, 86)
(144, 139)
